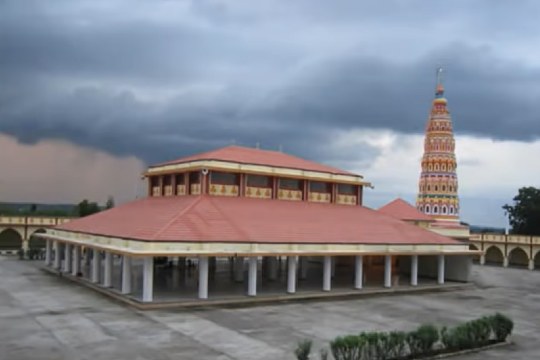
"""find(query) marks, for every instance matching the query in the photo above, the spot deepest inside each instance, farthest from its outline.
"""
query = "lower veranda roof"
(206, 218)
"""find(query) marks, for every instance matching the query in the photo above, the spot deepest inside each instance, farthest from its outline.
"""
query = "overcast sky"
(92, 91)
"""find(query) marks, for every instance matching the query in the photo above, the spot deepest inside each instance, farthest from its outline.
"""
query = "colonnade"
(73, 262)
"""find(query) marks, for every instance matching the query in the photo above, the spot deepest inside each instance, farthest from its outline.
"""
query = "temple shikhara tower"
(438, 185)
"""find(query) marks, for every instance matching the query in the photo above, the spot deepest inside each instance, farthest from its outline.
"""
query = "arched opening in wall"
(435, 209)
(475, 258)
(537, 260)
(451, 210)
(427, 209)
(494, 256)
(36, 242)
(10, 240)
(518, 258)
(443, 210)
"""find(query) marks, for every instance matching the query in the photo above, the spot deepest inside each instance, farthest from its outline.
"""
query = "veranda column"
(48, 250)
(327, 273)
(531, 264)
(57, 256)
(75, 269)
(440, 268)
(203, 277)
(414, 270)
(388, 271)
(291, 274)
(126, 274)
(505, 261)
(272, 268)
(252, 276)
(148, 279)
(358, 271)
(107, 278)
(239, 269)
(67, 258)
(96, 264)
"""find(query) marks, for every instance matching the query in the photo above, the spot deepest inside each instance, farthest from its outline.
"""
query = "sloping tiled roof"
(400, 209)
(244, 155)
(234, 219)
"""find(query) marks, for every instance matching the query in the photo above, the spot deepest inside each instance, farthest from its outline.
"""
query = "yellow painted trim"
(256, 169)
(143, 248)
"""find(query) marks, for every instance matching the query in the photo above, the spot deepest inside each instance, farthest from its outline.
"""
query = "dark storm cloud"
(160, 85)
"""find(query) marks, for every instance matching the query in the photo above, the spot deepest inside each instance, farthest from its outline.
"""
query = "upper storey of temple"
(246, 172)
(438, 185)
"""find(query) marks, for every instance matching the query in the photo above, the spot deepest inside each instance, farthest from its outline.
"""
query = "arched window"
(451, 209)
(427, 209)
(428, 188)
(444, 210)
(443, 167)
(436, 188)
(436, 167)
(430, 167)
(435, 209)
(444, 188)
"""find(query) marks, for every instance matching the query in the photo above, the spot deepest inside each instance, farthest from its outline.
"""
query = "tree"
(524, 215)
(110, 203)
(85, 208)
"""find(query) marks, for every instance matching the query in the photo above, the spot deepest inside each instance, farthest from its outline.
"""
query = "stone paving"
(47, 317)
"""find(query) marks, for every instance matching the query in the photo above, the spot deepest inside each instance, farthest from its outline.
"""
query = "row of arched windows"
(439, 167)
(439, 210)
(437, 188)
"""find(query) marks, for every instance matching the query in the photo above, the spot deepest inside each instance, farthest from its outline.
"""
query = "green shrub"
(397, 344)
(303, 349)
(350, 347)
(421, 340)
(501, 325)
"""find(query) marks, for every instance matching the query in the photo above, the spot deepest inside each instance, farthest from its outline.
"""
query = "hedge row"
(427, 340)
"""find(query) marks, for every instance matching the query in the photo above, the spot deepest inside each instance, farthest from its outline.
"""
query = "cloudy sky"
(92, 91)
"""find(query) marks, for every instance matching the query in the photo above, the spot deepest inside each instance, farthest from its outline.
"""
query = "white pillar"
(57, 256)
(291, 275)
(388, 271)
(126, 274)
(303, 267)
(107, 278)
(239, 269)
(252, 276)
(414, 270)
(67, 258)
(358, 271)
(203, 277)
(75, 269)
(505, 261)
(440, 270)
(531, 264)
(272, 268)
(96, 260)
(482, 259)
(148, 279)
(48, 250)
(327, 273)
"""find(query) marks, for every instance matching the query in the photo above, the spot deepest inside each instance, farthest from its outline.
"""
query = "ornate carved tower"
(438, 185)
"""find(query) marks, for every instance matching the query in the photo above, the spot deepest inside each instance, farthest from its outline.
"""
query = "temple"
(438, 185)
(243, 222)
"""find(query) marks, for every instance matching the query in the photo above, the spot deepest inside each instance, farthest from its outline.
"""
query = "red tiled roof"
(234, 219)
(402, 210)
(244, 155)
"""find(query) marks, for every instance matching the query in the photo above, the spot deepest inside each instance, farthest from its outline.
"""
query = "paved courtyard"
(46, 317)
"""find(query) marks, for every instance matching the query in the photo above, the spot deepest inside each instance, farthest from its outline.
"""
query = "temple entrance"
(518, 258)
(10, 240)
(494, 256)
